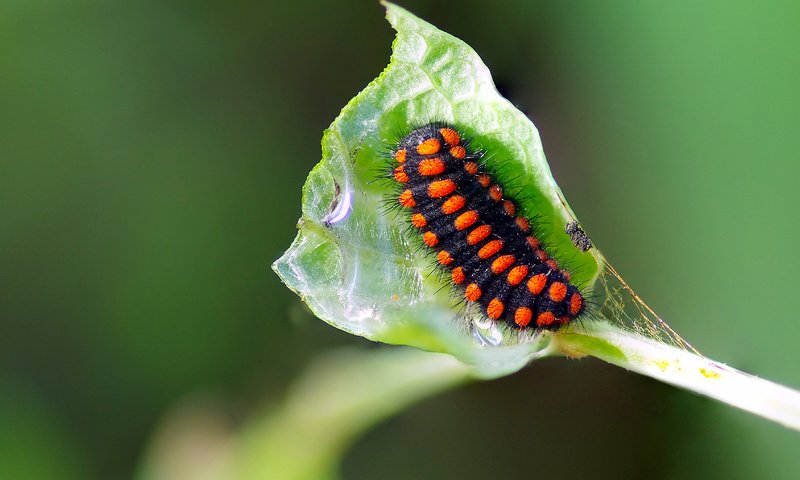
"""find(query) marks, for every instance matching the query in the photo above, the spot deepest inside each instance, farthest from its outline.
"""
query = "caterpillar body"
(475, 230)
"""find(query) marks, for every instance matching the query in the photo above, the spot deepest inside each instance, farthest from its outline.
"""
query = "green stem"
(684, 369)
(339, 398)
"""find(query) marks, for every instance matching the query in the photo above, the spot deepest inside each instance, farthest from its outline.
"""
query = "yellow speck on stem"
(572, 353)
(662, 364)
(710, 374)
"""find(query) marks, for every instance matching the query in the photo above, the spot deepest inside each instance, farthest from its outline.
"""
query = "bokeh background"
(151, 159)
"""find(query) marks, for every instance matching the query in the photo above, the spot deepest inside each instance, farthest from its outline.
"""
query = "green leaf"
(363, 274)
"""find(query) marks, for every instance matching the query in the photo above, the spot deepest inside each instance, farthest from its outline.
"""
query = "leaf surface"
(356, 265)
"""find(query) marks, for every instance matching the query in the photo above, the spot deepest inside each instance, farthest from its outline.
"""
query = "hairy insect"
(477, 233)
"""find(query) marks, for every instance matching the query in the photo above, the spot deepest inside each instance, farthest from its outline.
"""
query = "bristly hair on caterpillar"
(473, 225)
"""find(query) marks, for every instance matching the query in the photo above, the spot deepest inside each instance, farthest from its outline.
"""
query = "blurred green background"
(151, 159)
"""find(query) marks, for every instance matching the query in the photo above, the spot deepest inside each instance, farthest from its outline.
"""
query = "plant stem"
(341, 396)
(684, 369)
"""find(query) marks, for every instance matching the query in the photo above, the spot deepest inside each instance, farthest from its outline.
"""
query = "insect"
(476, 233)
(578, 237)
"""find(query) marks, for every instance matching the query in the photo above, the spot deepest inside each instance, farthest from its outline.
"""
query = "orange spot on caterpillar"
(407, 199)
(490, 249)
(419, 220)
(523, 224)
(522, 316)
(466, 220)
(429, 146)
(510, 208)
(453, 204)
(536, 284)
(458, 152)
(502, 263)
(557, 291)
(540, 255)
(431, 166)
(545, 318)
(517, 275)
(441, 188)
(479, 234)
(458, 275)
(430, 239)
(400, 155)
(575, 303)
(484, 180)
(495, 309)
(444, 257)
(400, 174)
(566, 274)
(552, 264)
(471, 168)
(473, 292)
(564, 319)
(450, 136)
(533, 242)
(496, 192)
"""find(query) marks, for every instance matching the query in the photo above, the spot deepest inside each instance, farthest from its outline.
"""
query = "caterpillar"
(476, 233)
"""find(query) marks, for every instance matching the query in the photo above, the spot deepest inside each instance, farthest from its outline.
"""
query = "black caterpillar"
(477, 234)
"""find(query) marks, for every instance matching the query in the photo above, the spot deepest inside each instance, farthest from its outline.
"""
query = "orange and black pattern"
(489, 250)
